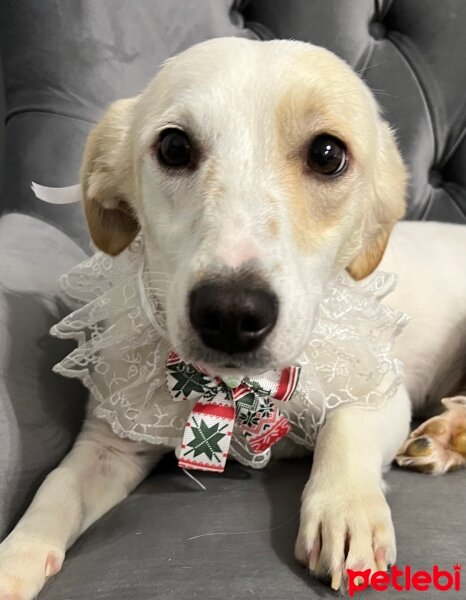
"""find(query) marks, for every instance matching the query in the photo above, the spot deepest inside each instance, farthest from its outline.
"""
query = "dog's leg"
(100, 471)
(345, 519)
(439, 444)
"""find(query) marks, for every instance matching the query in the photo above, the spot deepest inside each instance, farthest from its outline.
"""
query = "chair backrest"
(412, 55)
(64, 61)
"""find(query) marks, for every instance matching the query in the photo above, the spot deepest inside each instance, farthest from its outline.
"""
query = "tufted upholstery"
(411, 54)
(64, 61)
(83, 56)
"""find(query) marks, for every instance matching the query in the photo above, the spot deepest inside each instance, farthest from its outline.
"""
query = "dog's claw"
(380, 560)
(336, 580)
(313, 558)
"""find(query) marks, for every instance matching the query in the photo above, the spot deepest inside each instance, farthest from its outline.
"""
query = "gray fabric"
(141, 549)
(2, 131)
(64, 61)
(40, 412)
(35, 145)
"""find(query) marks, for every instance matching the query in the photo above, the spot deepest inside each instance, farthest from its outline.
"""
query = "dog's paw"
(25, 566)
(345, 529)
(439, 444)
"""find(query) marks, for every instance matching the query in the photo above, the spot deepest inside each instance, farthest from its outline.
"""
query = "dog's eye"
(326, 155)
(174, 148)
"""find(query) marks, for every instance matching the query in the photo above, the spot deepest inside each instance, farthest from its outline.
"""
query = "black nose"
(232, 317)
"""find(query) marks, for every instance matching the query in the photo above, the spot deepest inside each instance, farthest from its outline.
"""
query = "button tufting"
(435, 178)
(377, 30)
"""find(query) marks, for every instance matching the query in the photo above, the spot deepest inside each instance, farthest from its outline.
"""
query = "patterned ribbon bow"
(208, 432)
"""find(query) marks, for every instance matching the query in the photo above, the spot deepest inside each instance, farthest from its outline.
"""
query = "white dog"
(256, 172)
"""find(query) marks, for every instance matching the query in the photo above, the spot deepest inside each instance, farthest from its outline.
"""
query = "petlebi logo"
(405, 579)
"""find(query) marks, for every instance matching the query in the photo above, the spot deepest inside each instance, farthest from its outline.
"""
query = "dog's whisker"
(383, 93)
(373, 66)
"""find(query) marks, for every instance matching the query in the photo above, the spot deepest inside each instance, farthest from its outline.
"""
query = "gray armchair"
(64, 61)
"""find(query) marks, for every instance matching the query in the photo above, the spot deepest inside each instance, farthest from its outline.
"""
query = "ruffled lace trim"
(119, 326)
(121, 354)
(349, 358)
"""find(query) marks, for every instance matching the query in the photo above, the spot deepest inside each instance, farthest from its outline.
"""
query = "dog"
(274, 156)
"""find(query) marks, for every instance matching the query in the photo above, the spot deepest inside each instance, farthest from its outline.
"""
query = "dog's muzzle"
(232, 316)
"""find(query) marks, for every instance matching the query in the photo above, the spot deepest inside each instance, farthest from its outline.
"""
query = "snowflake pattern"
(206, 440)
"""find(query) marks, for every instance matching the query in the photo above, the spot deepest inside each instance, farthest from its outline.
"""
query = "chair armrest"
(40, 412)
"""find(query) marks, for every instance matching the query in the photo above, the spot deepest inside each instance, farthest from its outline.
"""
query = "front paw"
(344, 529)
(25, 565)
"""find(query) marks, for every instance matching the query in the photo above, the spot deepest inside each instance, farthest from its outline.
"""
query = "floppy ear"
(387, 204)
(107, 180)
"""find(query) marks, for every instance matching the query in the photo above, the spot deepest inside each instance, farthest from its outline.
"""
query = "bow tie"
(209, 429)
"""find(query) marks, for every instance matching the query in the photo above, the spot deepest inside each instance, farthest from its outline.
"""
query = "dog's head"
(255, 171)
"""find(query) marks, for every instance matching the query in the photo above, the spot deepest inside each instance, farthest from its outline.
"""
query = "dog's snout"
(232, 318)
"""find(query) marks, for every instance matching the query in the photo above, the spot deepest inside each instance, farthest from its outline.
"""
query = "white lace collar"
(119, 325)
